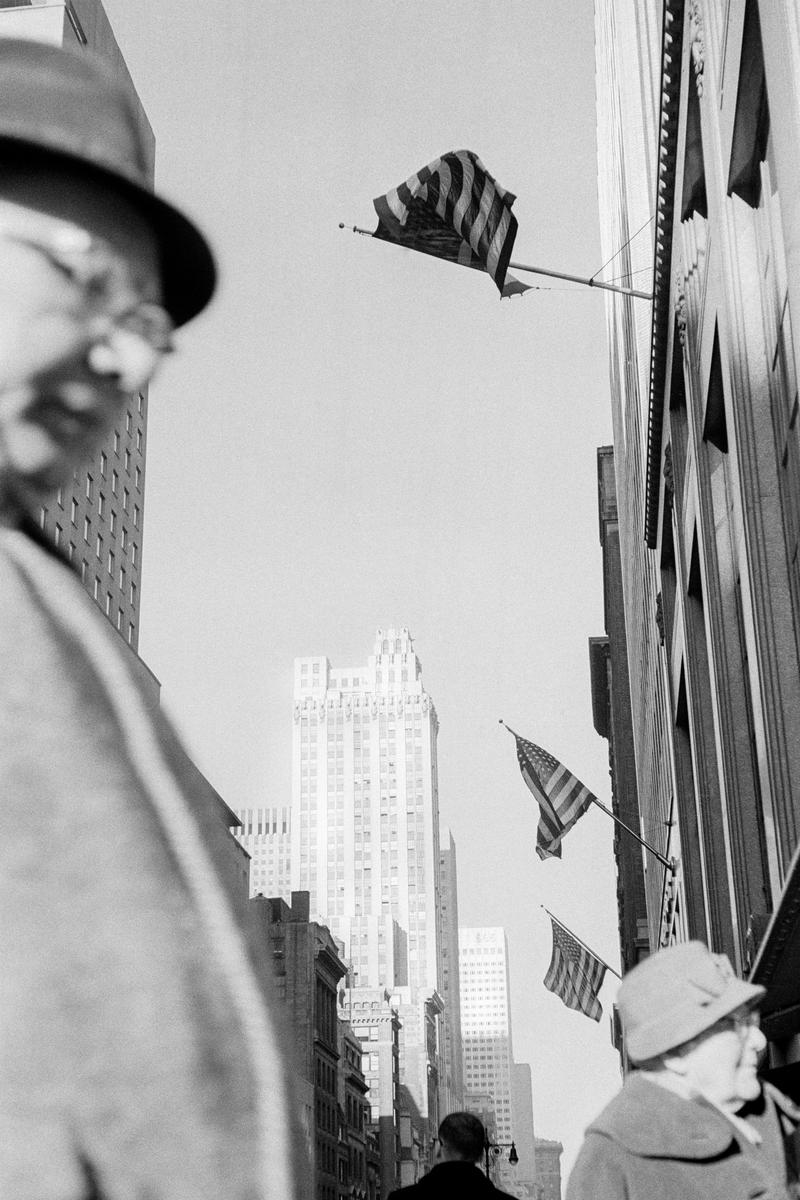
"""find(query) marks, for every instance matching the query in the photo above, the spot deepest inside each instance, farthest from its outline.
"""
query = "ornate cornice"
(671, 56)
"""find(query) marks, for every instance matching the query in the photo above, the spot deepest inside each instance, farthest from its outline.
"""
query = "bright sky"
(358, 436)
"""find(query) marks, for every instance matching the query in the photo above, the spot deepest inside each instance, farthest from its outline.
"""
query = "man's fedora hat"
(60, 107)
(676, 994)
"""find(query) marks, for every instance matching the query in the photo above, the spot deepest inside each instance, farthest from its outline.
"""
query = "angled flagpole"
(592, 283)
(669, 863)
(580, 943)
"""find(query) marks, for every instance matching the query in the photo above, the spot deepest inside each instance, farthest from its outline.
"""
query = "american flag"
(575, 974)
(454, 210)
(561, 795)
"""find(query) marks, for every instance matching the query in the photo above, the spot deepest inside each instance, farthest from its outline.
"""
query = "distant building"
(308, 969)
(452, 1084)
(266, 834)
(365, 831)
(376, 1024)
(354, 1117)
(98, 522)
(420, 1113)
(548, 1169)
(486, 1022)
(522, 1106)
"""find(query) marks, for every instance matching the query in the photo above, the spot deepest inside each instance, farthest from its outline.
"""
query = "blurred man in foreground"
(139, 1058)
(693, 1120)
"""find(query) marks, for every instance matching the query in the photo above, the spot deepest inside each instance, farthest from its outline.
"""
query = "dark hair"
(464, 1134)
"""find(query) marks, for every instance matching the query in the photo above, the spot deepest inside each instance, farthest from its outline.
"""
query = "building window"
(73, 512)
(101, 504)
(114, 482)
(103, 464)
(89, 487)
(87, 529)
(57, 535)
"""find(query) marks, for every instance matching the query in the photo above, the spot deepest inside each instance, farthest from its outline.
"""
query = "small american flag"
(455, 210)
(575, 974)
(561, 795)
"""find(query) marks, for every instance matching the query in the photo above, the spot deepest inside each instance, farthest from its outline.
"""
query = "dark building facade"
(611, 710)
(307, 970)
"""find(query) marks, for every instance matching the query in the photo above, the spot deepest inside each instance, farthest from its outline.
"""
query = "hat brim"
(188, 269)
(674, 1029)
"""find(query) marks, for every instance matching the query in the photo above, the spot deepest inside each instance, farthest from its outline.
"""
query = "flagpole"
(580, 943)
(592, 283)
(669, 863)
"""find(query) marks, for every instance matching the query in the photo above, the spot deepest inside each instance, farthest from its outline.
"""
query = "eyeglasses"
(742, 1022)
(95, 267)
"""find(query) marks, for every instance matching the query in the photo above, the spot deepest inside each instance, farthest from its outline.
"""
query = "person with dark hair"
(693, 1119)
(456, 1175)
(141, 1054)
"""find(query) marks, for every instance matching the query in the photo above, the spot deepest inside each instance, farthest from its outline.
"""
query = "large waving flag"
(561, 795)
(575, 974)
(455, 210)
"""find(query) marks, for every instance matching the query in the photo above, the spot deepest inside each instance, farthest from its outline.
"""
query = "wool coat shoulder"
(451, 1181)
(140, 1053)
(651, 1144)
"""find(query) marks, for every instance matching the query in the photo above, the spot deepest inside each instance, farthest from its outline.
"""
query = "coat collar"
(652, 1122)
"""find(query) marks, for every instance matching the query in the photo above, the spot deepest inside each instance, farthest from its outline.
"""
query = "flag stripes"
(561, 796)
(455, 210)
(575, 975)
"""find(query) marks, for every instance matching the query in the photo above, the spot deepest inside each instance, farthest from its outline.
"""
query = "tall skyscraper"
(486, 1022)
(365, 811)
(365, 836)
(98, 519)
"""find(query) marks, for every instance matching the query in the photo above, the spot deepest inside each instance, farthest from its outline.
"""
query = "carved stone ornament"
(660, 617)
(698, 43)
(681, 312)
(669, 475)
